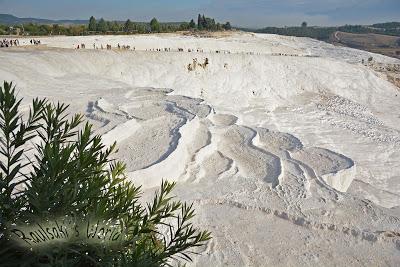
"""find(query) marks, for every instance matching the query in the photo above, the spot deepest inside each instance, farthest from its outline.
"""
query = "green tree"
(129, 26)
(304, 24)
(227, 26)
(102, 26)
(3, 29)
(200, 22)
(71, 175)
(117, 26)
(154, 25)
(113, 26)
(192, 24)
(92, 24)
(209, 23)
(206, 23)
(203, 22)
(76, 30)
(184, 26)
(56, 29)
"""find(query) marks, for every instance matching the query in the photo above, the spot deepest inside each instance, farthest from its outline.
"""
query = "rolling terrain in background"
(377, 43)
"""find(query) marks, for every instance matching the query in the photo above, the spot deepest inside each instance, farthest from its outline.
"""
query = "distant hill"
(382, 38)
(8, 19)
(387, 25)
(377, 43)
(325, 33)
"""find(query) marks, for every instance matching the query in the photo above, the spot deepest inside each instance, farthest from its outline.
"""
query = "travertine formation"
(288, 147)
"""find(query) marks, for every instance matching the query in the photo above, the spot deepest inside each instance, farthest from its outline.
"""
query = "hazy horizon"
(253, 13)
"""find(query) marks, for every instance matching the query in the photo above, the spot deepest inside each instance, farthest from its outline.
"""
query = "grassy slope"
(377, 43)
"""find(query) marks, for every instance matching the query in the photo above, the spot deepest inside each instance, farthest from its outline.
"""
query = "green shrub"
(53, 167)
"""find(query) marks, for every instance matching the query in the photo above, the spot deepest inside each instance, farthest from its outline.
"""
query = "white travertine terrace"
(289, 147)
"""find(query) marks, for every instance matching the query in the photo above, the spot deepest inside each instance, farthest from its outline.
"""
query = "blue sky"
(255, 13)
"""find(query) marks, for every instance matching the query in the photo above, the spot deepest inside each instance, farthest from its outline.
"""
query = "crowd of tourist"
(128, 47)
(108, 47)
(35, 42)
(9, 43)
(15, 42)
